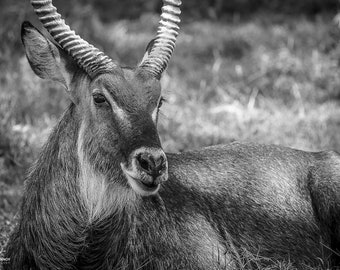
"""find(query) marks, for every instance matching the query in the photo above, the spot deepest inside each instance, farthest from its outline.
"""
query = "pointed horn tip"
(164, 44)
(172, 2)
(42, 2)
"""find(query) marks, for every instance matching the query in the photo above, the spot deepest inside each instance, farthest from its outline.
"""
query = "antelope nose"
(152, 162)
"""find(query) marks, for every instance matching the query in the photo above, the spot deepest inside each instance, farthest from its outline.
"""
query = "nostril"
(144, 163)
(159, 163)
(150, 164)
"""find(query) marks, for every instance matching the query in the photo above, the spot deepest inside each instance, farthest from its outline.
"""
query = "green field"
(265, 78)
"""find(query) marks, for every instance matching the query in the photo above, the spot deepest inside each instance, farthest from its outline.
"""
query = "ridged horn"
(164, 43)
(89, 58)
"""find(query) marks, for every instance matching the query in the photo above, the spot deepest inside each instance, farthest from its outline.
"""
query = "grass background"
(263, 76)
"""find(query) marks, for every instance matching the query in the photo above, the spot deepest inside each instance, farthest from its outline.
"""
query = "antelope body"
(103, 195)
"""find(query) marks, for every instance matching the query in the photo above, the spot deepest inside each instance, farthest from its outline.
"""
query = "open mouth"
(140, 187)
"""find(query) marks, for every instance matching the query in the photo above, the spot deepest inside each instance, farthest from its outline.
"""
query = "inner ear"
(47, 60)
(148, 49)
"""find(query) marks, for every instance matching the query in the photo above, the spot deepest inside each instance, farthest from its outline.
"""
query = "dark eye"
(160, 103)
(99, 98)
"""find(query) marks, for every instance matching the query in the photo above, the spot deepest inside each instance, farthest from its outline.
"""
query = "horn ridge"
(164, 44)
(91, 59)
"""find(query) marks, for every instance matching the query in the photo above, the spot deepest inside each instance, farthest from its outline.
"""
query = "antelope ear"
(47, 60)
(147, 53)
(148, 50)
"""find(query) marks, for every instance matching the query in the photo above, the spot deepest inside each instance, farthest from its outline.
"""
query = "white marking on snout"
(154, 114)
(155, 111)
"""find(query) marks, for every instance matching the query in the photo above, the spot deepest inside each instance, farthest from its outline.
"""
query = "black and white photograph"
(169, 135)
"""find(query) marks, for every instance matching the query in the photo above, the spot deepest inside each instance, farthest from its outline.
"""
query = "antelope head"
(117, 108)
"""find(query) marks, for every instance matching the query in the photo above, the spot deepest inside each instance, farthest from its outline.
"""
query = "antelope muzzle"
(145, 170)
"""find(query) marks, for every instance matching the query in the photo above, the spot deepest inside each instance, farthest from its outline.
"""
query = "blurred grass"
(266, 78)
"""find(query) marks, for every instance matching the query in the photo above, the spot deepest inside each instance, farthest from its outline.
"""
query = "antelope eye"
(160, 103)
(98, 98)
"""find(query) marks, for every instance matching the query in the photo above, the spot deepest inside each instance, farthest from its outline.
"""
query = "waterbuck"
(104, 195)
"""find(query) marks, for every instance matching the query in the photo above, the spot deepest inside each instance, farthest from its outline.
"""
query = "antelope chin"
(137, 184)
